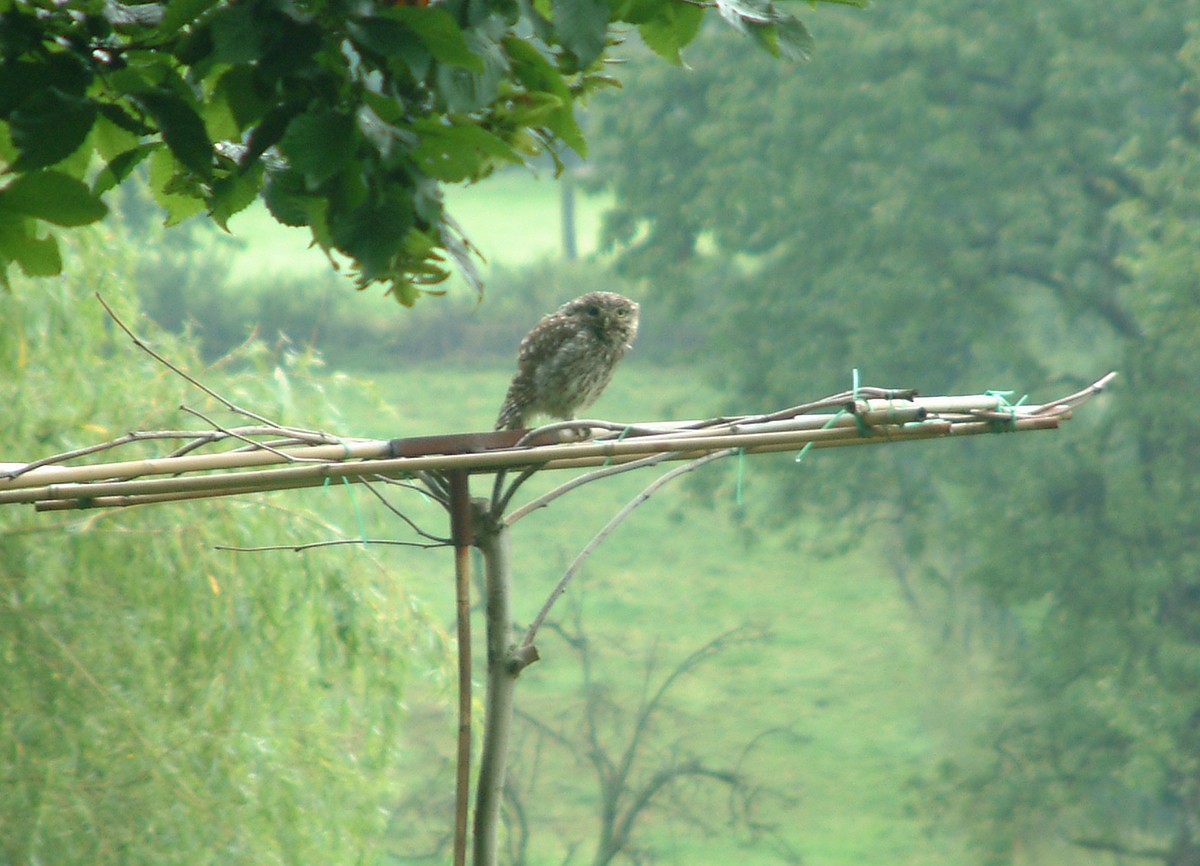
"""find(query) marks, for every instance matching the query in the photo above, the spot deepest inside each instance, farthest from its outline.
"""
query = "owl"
(568, 358)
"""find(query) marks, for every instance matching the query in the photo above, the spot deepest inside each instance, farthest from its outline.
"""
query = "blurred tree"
(1101, 739)
(346, 116)
(164, 702)
(969, 196)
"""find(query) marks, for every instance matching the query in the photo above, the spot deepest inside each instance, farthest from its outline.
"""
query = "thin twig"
(1080, 396)
(578, 481)
(398, 513)
(612, 524)
(297, 548)
(70, 455)
(499, 506)
(141, 344)
(415, 488)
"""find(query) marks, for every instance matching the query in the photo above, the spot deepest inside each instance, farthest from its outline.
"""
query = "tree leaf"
(235, 34)
(181, 127)
(121, 118)
(440, 33)
(170, 190)
(286, 198)
(462, 152)
(54, 197)
(793, 39)
(234, 193)
(39, 257)
(373, 234)
(49, 127)
(673, 29)
(319, 143)
(538, 75)
(180, 13)
(582, 27)
(119, 167)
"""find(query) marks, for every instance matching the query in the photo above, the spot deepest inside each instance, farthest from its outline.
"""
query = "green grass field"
(844, 672)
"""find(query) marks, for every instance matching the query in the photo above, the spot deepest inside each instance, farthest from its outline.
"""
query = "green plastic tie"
(741, 464)
(362, 526)
(608, 461)
(863, 430)
(825, 426)
(1009, 424)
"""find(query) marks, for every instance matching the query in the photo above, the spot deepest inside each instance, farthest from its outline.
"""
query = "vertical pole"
(493, 541)
(566, 190)
(462, 534)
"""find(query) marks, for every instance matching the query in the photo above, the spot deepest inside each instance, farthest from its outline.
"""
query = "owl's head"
(613, 317)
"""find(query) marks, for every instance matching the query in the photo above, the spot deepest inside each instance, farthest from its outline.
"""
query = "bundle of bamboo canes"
(202, 464)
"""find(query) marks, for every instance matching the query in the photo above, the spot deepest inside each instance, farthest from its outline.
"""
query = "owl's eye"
(622, 313)
(593, 310)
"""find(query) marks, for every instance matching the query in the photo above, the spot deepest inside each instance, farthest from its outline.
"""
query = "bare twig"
(612, 524)
(578, 481)
(398, 513)
(283, 455)
(500, 500)
(141, 344)
(312, 545)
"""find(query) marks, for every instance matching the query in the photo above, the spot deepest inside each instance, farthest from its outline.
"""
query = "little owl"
(568, 358)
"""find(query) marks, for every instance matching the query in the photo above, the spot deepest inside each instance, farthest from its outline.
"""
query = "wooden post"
(462, 534)
(494, 541)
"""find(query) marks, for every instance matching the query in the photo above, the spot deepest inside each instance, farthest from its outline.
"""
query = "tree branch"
(618, 518)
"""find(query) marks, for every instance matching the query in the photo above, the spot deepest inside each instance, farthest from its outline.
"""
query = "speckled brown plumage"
(568, 358)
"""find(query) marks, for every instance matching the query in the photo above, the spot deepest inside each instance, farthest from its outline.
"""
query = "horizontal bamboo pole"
(352, 449)
(550, 455)
(138, 492)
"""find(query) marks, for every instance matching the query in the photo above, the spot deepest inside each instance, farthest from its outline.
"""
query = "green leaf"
(54, 197)
(675, 28)
(319, 143)
(49, 127)
(439, 32)
(180, 13)
(373, 234)
(123, 119)
(794, 41)
(269, 130)
(393, 40)
(119, 167)
(235, 34)
(541, 78)
(39, 257)
(286, 197)
(462, 152)
(582, 27)
(236, 89)
(466, 91)
(170, 188)
(234, 193)
(637, 11)
(181, 127)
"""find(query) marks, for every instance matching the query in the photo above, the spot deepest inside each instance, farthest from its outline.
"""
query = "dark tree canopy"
(347, 116)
